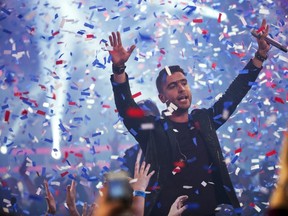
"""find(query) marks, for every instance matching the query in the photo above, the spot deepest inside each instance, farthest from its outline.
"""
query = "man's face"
(177, 91)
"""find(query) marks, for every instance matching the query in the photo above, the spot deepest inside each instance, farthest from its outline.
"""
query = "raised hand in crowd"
(87, 211)
(71, 199)
(139, 185)
(177, 207)
(51, 204)
(119, 56)
(118, 53)
(263, 46)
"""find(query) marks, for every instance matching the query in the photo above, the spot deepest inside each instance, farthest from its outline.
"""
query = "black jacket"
(160, 144)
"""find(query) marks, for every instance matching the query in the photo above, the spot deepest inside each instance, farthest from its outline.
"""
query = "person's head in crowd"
(116, 196)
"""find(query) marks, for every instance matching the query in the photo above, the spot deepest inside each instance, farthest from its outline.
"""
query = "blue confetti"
(133, 132)
(126, 29)
(89, 25)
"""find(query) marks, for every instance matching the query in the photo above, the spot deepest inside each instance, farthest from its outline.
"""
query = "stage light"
(3, 149)
(56, 154)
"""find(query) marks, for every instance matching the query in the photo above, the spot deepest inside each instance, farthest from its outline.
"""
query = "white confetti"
(168, 71)
(173, 106)
(282, 58)
(147, 126)
(255, 167)
(257, 208)
(114, 157)
(237, 171)
(55, 183)
(255, 160)
(38, 191)
(203, 183)
(264, 11)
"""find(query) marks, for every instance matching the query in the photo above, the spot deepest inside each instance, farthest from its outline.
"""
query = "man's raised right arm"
(133, 116)
(119, 57)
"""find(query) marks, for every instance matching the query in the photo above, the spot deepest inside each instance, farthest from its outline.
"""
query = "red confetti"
(89, 36)
(214, 65)
(24, 112)
(238, 150)
(136, 95)
(55, 33)
(180, 164)
(135, 113)
(42, 87)
(280, 90)
(162, 51)
(7, 115)
(260, 29)
(105, 106)
(66, 154)
(273, 152)
(252, 205)
(197, 20)
(79, 155)
(17, 94)
(59, 62)
(185, 17)
(204, 31)
(279, 100)
(240, 55)
(40, 112)
(34, 102)
(271, 84)
(219, 17)
(251, 134)
(72, 103)
(64, 174)
(176, 170)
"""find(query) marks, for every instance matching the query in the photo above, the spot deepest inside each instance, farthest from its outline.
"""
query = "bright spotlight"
(56, 154)
(3, 149)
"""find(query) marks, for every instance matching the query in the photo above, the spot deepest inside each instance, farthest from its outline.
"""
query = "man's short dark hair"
(163, 75)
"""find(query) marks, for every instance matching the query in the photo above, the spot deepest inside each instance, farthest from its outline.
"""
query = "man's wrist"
(261, 56)
(139, 193)
(118, 68)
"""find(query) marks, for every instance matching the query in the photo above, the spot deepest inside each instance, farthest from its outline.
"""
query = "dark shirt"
(195, 178)
(159, 145)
